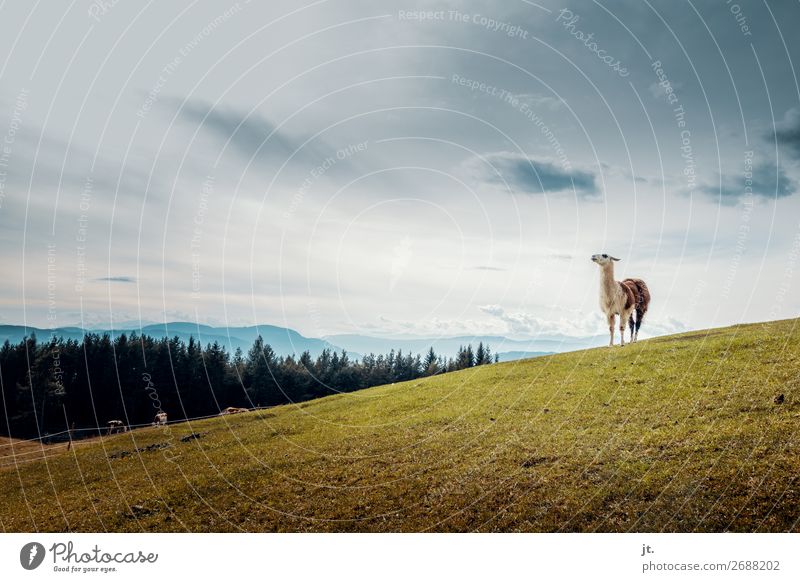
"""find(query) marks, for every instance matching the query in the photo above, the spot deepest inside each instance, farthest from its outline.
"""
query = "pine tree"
(430, 365)
(480, 355)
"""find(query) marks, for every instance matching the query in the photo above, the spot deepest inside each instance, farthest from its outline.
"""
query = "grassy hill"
(680, 433)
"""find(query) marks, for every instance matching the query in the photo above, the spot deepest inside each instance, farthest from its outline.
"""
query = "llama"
(623, 298)
(160, 419)
(115, 426)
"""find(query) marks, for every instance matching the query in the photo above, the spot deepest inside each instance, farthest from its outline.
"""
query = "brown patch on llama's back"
(629, 290)
(641, 291)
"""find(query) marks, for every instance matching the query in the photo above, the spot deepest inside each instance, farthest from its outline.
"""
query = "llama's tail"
(642, 303)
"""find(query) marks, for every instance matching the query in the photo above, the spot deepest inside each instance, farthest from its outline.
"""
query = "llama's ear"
(613, 258)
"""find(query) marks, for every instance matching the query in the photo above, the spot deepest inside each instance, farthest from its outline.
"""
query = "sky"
(398, 168)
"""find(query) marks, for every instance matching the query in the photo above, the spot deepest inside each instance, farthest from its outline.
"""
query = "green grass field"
(679, 433)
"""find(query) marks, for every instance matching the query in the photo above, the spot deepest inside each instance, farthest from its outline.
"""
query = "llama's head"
(603, 259)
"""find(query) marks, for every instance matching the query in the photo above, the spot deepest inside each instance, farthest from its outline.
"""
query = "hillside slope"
(680, 433)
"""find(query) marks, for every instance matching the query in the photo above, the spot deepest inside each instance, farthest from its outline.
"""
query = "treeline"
(47, 387)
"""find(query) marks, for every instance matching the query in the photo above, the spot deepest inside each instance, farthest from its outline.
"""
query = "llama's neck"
(607, 283)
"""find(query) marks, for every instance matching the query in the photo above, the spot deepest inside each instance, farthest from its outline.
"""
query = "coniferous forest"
(49, 387)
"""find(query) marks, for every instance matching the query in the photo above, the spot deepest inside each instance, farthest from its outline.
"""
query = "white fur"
(115, 426)
(612, 297)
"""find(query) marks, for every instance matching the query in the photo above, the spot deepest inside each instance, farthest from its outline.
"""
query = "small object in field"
(779, 399)
(533, 461)
(546, 410)
(234, 410)
(152, 447)
(140, 510)
(190, 437)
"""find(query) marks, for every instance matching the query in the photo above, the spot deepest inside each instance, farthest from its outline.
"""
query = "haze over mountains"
(286, 341)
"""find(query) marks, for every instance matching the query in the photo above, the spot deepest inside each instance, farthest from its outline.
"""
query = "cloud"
(246, 132)
(117, 279)
(250, 136)
(658, 91)
(666, 326)
(535, 100)
(487, 268)
(518, 323)
(534, 176)
(72, 168)
(577, 324)
(430, 327)
(525, 324)
(626, 174)
(769, 181)
(787, 133)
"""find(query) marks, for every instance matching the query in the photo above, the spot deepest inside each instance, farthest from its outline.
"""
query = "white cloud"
(579, 325)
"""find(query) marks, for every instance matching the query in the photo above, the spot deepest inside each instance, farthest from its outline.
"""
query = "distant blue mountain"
(283, 340)
(287, 341)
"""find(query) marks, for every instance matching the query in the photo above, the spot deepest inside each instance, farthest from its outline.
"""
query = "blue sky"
(425, 168)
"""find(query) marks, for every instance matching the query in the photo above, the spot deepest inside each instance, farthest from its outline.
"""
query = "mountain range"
(286, 341)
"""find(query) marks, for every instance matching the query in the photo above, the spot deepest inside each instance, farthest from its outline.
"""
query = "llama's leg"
(639, 316)
(632, 326)
(610, 318)
(623, 321)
